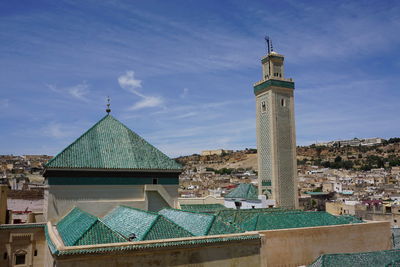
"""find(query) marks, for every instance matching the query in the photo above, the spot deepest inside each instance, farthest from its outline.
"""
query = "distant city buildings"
(353, 142)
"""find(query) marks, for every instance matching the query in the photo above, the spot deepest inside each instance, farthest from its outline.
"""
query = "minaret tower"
(276, 137)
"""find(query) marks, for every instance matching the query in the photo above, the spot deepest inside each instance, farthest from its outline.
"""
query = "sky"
(181, 73)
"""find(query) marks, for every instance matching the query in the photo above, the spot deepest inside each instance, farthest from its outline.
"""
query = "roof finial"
(267, 40)
(108, 110)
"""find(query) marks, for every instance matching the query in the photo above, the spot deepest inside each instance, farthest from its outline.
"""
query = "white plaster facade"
(100, 199)
(261, 203)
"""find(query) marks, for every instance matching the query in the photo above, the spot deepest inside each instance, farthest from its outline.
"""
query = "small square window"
(155, 181)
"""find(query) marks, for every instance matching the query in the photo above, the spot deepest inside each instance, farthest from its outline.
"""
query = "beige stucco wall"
(100, 199)
(28, 240)
(233, 254)
(95, 199)
(296, 247)
(340, 208)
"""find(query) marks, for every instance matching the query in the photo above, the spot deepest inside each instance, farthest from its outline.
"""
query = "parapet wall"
(301, 246)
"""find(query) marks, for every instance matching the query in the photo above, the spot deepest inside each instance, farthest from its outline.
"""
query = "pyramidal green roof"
(244, 191)
(111, 145)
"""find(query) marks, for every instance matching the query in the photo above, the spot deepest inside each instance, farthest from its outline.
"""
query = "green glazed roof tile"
(145, 225)
(111, 145)
(74, 225)
(243, 191)
(164, 229)
(127, 221)
(186, 243)
(220, 227)
(285, 220)
(196, 223)
(99, 233)
(199, 223)
(364, 259)
(203, 207)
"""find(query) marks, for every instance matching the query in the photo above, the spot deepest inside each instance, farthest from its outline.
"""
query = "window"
(5, 256)
(35, 253)
(263, 106)
(155, 181)
(20, 258)
(395, 220)
(283, 102)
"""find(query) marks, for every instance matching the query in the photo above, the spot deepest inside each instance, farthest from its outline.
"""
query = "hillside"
(361, 157)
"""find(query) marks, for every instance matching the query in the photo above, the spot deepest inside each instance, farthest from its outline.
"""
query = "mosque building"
(112, 200)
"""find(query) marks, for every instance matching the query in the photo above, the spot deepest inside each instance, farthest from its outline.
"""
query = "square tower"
(276, 137)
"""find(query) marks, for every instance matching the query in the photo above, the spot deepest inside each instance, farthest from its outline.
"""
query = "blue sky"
(180, 73)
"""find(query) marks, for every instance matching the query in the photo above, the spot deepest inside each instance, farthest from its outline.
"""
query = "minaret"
(276, 137)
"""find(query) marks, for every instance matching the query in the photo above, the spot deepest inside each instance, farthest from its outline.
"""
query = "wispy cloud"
(58, 130)
(130, 83)
(79, 91)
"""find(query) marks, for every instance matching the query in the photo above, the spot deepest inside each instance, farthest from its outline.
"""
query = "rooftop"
(243, 191)
(109, 144)
(126, 224)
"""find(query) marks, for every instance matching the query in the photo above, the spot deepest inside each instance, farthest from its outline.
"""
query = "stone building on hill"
(110, 165)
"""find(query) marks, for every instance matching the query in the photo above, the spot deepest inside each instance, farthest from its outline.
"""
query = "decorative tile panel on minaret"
(276, 138)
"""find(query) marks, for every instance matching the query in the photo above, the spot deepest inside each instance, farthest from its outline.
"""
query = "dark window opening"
(283, 102)
(155, 181)
(19, 259)
(253, 207)
(5, 256)
(238, 204)
(263, 106)
(35, 253)
(395, 221)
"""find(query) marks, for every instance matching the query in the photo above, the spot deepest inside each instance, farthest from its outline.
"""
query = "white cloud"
(147, 102)
(128, 82)
(57, 130)
(79, 91)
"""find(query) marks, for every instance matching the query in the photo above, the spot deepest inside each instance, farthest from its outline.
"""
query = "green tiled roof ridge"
(211, 224)
(243, 191)
(160, 222)
(115, 236)
(154, 159)
(71, 236)
(196, 213)
(78, 139)
(151, 226)
(124, 228)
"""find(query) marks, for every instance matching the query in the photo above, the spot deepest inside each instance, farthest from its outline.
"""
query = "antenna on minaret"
(266, 38)
(108, 110)
(272, 49)
(269, 44)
